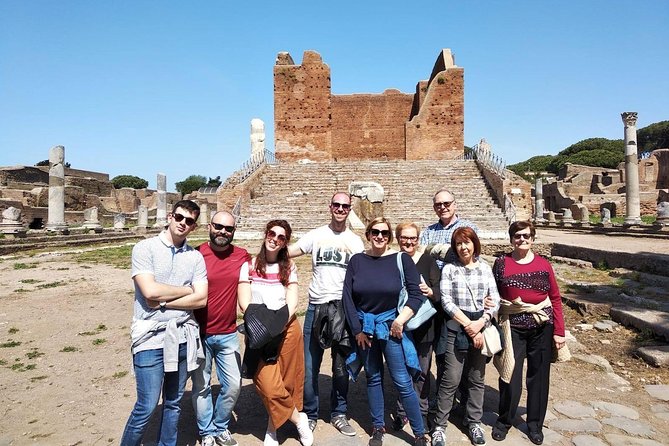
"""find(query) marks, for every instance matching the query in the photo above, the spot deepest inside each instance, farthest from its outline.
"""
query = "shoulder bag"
(426, 310)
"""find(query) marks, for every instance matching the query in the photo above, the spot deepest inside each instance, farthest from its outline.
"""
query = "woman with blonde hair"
(424, 336)
(268, 286)
(371, 297)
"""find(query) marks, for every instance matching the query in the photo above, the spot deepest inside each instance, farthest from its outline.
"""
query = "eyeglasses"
(443, 204)
(178, 217)
(220, 227)
(523, 236)
(385, 233)
(344, 206)
(271, 235)
(408, 239)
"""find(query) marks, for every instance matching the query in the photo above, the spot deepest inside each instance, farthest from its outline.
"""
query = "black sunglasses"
(273, 235)
(178, 217)
(443, 204)
(220, 227)
(523, 236)
(376, 232)
(344, 206)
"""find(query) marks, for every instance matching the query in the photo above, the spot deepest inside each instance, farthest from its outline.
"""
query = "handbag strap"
(403, 295)
(464, 276)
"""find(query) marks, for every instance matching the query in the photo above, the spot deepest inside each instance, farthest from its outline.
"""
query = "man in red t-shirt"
(218, 327)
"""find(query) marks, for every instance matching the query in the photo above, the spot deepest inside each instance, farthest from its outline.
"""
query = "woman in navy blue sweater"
(370, 297)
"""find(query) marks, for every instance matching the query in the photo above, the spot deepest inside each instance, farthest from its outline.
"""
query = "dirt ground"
(65, 364)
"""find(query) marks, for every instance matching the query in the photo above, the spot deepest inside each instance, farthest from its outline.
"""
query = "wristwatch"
(163, 306)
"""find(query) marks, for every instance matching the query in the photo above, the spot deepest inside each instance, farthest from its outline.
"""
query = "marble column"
(56, 211)
(539, 200)
(91, 221)
(161, 202)
(204, 214)
(632, 200)
(12, 226)
(257, 137)
(142, 217)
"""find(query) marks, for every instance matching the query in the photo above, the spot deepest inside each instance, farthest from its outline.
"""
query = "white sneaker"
(306, 436)
(270, 439)
(208, 440)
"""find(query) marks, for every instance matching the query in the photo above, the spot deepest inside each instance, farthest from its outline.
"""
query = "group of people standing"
(354, 310)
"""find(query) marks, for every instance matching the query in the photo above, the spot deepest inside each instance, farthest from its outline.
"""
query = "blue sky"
(139, 87)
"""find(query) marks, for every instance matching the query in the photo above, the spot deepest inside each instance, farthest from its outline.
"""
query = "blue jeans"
(373, 362)
(313, 357)
(224, 350)
(151, 380)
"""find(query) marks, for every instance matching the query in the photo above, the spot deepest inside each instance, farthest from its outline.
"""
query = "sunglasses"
(178, 217)
(273, 235)
(408, 239)
(443, 204)
(523, 236)
(220, 227)
(385, 233)
(344, 206)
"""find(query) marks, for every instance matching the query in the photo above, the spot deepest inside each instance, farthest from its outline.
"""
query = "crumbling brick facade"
(310, 122)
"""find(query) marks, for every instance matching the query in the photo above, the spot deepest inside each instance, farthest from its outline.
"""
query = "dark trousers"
(535, 345)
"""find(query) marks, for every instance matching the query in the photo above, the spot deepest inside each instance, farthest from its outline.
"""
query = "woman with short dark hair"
(531, 318)
(465, 284)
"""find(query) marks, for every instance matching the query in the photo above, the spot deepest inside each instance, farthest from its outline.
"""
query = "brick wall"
(370, 126)
(310, 122)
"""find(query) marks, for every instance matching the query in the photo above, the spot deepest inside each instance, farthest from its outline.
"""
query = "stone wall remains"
(312, 123)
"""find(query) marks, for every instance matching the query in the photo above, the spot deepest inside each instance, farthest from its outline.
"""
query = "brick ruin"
(597, 187)
(312, 123)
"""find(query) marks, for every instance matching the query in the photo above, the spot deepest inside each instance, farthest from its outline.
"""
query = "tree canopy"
(120, 181)
(193, 182)
(596, 152)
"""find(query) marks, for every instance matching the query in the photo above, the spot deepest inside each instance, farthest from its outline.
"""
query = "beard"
(221, 240)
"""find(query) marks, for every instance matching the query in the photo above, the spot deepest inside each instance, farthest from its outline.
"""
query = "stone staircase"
(300, 193)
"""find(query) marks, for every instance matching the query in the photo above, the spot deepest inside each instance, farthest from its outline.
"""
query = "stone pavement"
(610, 242)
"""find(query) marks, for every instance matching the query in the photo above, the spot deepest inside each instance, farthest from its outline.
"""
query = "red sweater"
(531, 282)
(220, 314)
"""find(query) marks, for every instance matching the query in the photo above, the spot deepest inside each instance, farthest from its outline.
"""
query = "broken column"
(142, 217)
(11, 225)
(119, 222)
(539, 201)
(633, 202)
(91, 222)
(161, 202)
(257, 138)
(204, 214)
(56, 211)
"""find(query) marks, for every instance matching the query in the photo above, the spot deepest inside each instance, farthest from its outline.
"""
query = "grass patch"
(51, 284)
(86, 267)
(35, 420)
(21, 290)
(34, 353)
(37, 378)
(118, 256)
(30, 281)
(99, 341)
(10, 344)
(13, 330)
(30, 367)
(25, 265)
(3, 362)
(118, 375)
(98, 329)
(17, 366)
(69, 349)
